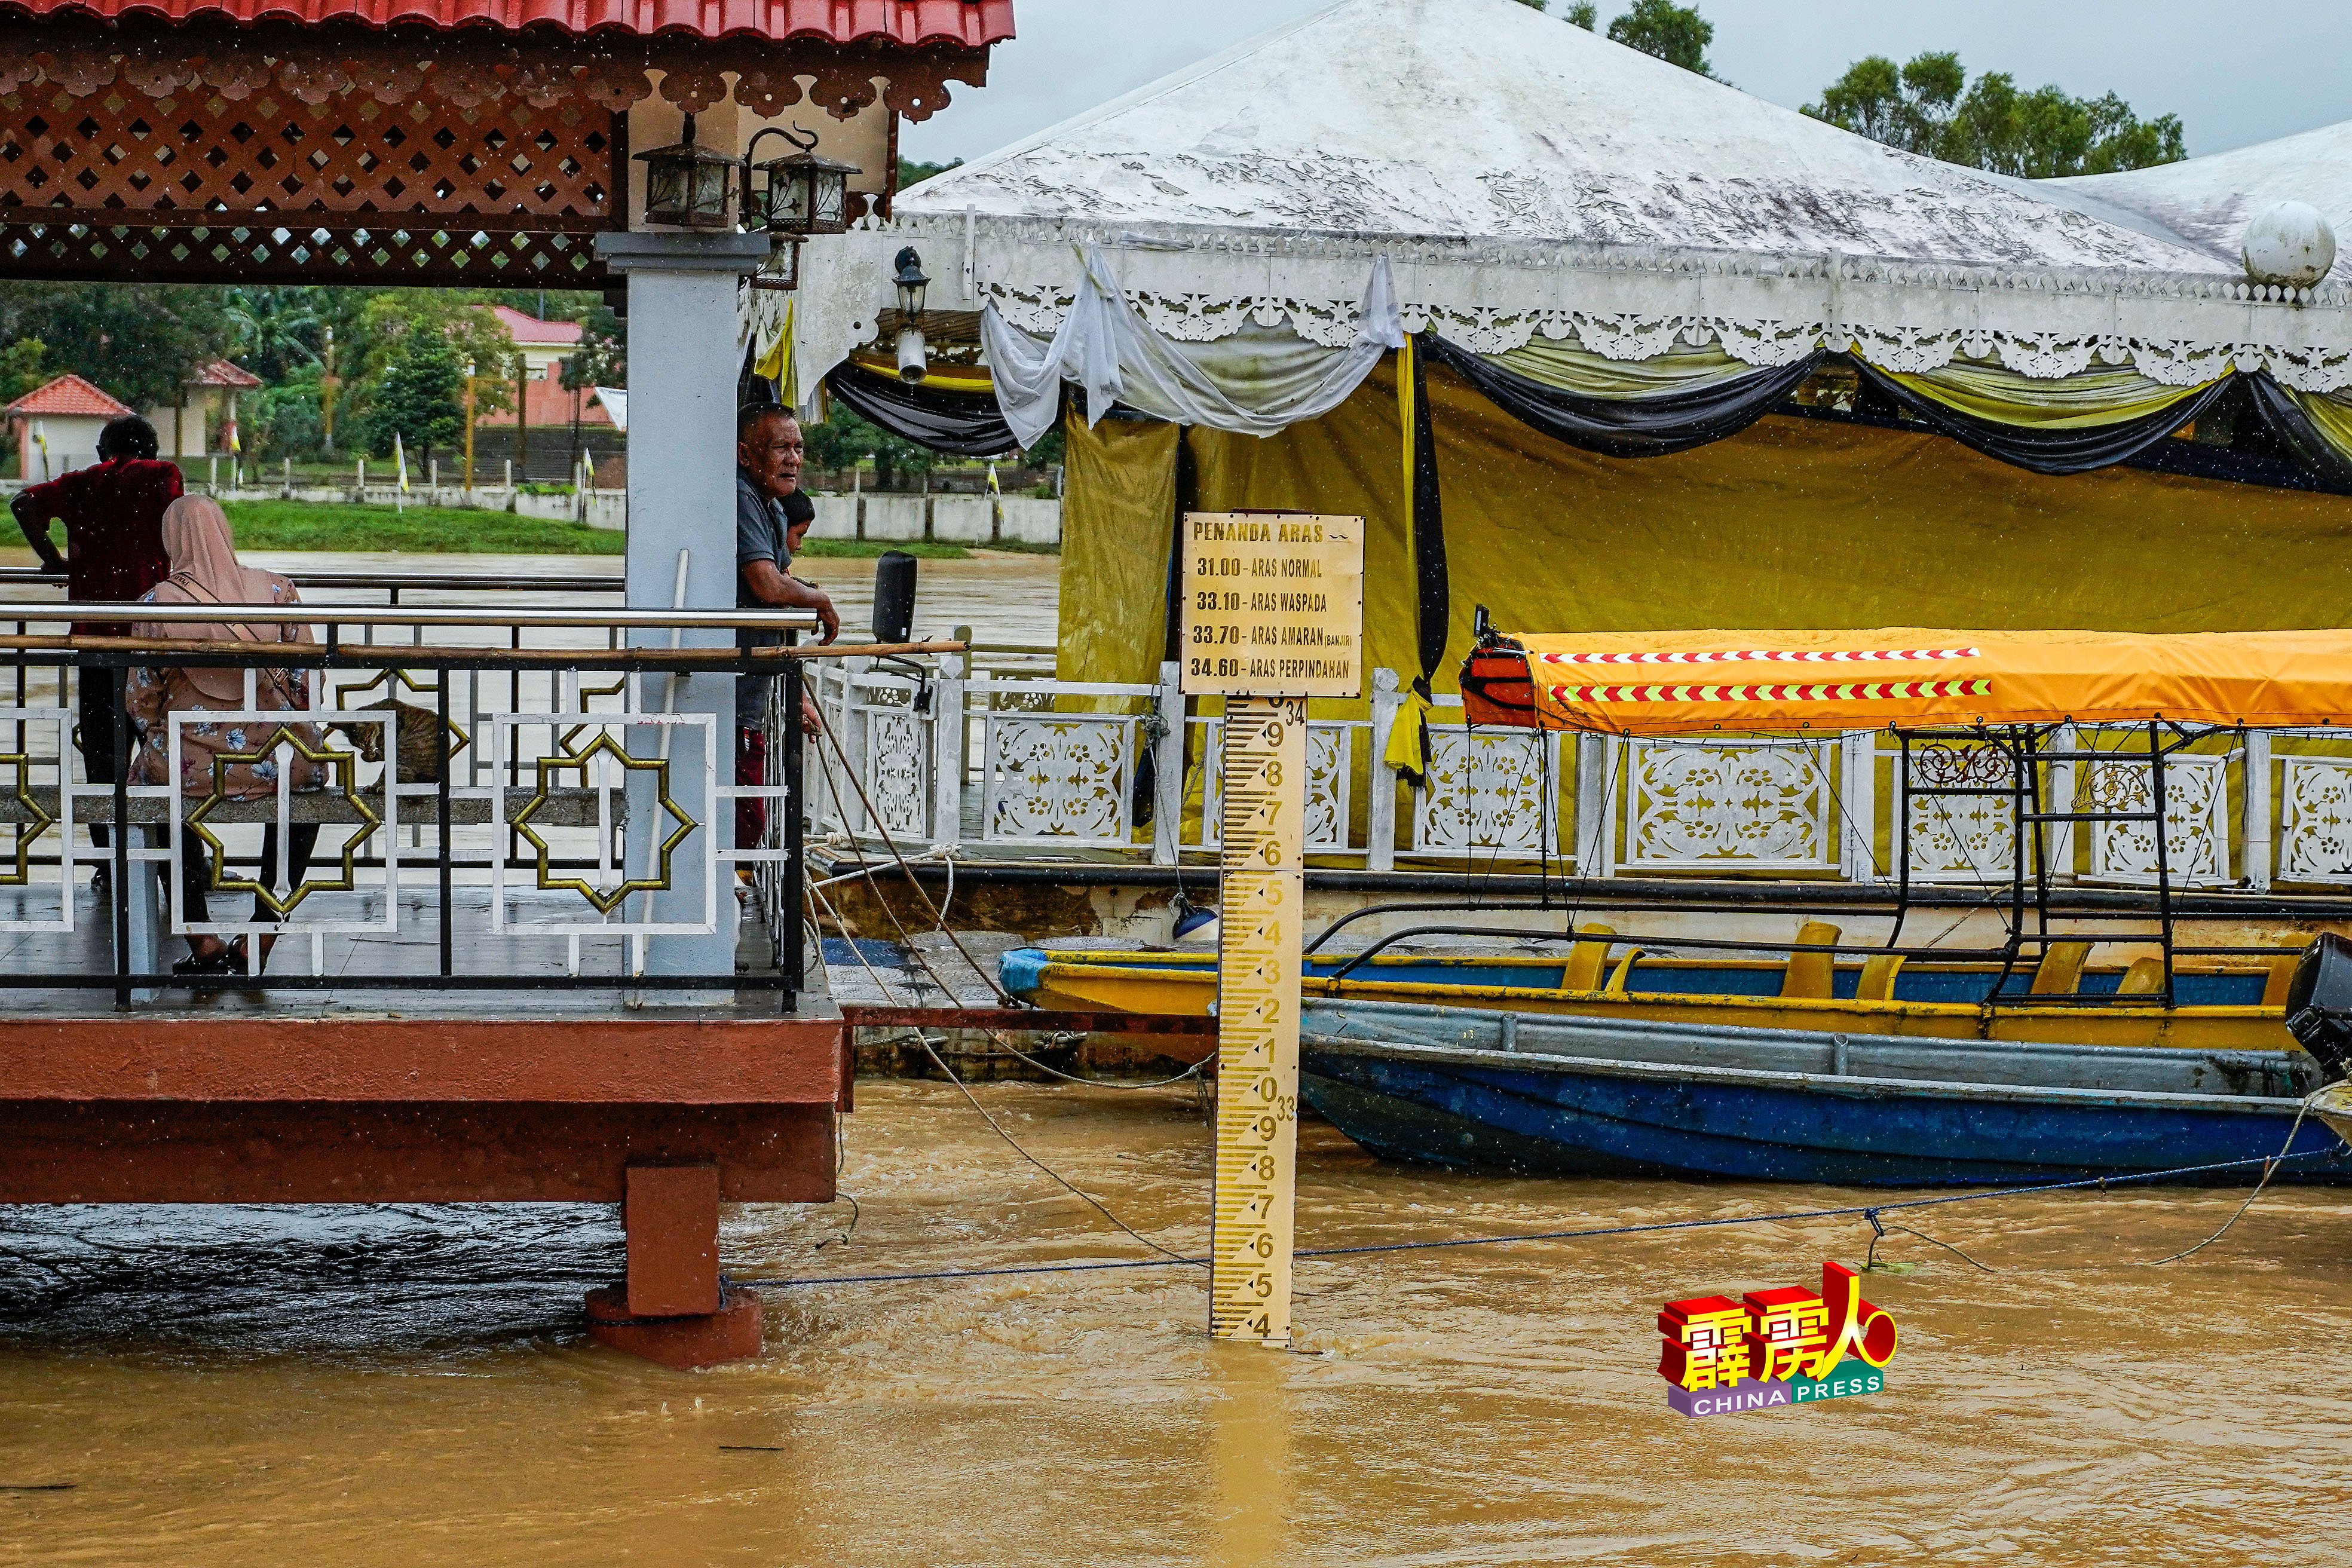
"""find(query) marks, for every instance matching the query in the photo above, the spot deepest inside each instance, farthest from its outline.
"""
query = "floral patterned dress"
(150, 694)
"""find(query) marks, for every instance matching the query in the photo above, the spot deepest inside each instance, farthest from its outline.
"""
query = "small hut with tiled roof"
(55, 425)
(199, 423)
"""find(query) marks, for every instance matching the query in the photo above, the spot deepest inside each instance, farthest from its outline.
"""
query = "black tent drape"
(1432, 598)
(962, 424)
(2288, 422)
(1626, 427)
(2046, 451)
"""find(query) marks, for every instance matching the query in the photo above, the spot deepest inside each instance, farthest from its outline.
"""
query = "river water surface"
(412, 1386)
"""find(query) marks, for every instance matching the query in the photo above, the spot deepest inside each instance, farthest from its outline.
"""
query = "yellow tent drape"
(1794, 522)
(2330, 416)
(1558, 363)
(1118, 523)
(2094, 397)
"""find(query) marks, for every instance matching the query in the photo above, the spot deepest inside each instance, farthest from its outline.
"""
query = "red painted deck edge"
(587, 1061)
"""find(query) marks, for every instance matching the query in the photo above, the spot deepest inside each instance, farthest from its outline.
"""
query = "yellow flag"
(775, 362)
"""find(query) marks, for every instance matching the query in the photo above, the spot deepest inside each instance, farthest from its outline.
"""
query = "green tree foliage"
(138, 341)
(405, 334)
(848, 439)
(912, 173)
(391, 322)
(273, 329)
(1930, 107)
(419, 394)
(602, 357)
(1582, 14)
(1676, 33)
(24, 368)
(286, 419)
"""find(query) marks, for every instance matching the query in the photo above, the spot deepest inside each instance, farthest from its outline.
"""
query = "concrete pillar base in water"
(731, 1334)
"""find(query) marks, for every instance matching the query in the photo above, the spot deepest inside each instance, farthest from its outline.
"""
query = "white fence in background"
(1030, 765)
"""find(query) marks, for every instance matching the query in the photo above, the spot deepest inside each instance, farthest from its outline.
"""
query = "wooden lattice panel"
(348, 155)
(233, 252)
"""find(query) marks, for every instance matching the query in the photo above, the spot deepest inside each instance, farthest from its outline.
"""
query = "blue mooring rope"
(1870, 1211)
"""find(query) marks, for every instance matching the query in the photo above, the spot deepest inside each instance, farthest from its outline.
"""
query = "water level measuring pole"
(1272, 614)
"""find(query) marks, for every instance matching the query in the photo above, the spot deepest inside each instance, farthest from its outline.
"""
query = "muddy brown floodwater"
(412, 1385)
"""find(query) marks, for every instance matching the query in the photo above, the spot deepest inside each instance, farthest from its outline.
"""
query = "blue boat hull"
(1723, 1108)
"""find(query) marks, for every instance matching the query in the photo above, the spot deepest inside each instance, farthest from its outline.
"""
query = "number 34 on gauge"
(1273, 605)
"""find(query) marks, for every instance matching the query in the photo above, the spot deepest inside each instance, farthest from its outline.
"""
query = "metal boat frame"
(1947, 758)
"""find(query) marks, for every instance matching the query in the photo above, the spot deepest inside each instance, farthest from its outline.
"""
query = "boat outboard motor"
(2319, 1005)
(894, 597)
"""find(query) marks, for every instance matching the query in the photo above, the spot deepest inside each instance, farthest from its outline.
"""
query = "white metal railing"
(991, 753)
(577, 804)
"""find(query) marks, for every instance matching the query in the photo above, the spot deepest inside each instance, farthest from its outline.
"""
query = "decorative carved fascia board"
(474, 67)
(1631, 303)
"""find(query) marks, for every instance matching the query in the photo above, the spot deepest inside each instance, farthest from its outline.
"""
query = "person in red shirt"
(113, 513)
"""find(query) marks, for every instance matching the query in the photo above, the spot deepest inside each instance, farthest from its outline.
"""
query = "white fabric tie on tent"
(1253, 384)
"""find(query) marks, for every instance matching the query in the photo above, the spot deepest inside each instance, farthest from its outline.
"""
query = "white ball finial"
(2289, 243)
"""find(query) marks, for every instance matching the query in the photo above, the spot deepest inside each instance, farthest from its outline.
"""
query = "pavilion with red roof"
(55, 426)
(479, 143)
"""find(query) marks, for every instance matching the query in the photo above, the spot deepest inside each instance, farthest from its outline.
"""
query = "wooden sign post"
(1272, 614)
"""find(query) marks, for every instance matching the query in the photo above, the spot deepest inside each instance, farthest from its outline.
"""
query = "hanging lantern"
(804, 194)
(688, 186)
(912, 284)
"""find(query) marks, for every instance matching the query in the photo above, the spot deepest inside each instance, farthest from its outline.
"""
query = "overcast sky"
(2232, 78)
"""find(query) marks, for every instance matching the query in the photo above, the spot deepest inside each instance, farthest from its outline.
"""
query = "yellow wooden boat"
(2216, 1006)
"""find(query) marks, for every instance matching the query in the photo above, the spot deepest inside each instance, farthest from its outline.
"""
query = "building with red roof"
(55, 425)
(542, 346)
(200, 422)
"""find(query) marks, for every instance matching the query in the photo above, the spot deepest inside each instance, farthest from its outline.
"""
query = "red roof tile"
(526, 328)
(220, 372)
(969, 24)
(69, 396)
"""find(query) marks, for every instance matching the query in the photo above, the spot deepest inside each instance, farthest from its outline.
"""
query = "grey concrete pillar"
(682, 370)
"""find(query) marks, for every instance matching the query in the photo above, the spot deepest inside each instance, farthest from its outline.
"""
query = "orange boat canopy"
(1640, 683)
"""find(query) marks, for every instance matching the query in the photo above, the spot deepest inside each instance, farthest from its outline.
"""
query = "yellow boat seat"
(1810, 974)
(1877, 983)
(2281, 975)
(2144, 978)
(1623, 973)
(2060, 969)
(1586, 959)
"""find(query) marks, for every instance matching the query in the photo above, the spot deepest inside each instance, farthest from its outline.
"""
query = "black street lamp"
(914, 353)
(912, 284)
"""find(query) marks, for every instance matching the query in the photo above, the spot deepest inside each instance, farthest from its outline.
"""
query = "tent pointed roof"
(1484, 119)
(2207, 201)
(1512, 175)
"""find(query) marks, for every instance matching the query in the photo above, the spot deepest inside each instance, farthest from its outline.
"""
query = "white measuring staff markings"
(1272, 614)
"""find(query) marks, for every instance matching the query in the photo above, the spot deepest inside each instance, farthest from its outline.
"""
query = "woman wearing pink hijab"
(204, 571)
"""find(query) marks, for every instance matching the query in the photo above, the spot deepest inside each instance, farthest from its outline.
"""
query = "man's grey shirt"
(759, 536)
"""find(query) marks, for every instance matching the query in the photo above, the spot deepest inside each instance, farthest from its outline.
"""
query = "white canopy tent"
(1524, 181)
(2206, 203)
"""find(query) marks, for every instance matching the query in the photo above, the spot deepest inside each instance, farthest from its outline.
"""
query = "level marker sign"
(1273, 605)
(1274, 613)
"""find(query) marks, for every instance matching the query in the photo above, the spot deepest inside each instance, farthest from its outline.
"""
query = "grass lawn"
(418, 530)
(461, 530)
